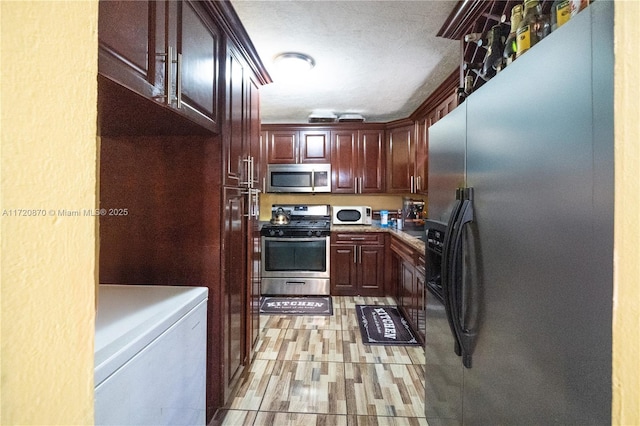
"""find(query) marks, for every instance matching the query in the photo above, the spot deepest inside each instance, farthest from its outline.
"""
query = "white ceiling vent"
(324, 117)
(351, 118)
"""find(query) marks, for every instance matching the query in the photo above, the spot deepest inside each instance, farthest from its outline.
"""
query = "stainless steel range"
(295, 250)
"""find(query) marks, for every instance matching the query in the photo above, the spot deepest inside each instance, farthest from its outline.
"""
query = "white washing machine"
(150, 355)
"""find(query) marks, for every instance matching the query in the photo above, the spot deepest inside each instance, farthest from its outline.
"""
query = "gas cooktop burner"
(304, 224)
(305, 221)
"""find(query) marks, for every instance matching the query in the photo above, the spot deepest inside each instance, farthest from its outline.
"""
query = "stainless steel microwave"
(299, 178)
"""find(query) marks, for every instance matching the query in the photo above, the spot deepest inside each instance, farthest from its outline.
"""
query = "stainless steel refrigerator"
(522, 333)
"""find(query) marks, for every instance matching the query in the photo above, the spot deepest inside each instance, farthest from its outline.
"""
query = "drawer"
(402, 250)
(361, 238)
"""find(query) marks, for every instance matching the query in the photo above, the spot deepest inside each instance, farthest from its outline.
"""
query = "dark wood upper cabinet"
(130, 35)
(292, 145)
(196, 78)
(443, 100)
(314, 146)
(282, 146)
(235, 144)
(357, 161)
(401, 154)
(167, 51)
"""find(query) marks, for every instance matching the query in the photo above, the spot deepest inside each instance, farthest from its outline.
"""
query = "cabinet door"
(400, 159)
(131, 43)
(371, 161)
(254, 270)
(343, 270)
(282, 147)
(198, 43)
(344, 156)
(314, 147)
(235, 151)
(421, 304)
(422, 154)
(407, 283)
(233, 292)
(370, 271)
(254, 135)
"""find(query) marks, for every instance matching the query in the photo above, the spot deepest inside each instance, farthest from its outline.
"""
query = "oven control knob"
(280, 232)
(318, 233)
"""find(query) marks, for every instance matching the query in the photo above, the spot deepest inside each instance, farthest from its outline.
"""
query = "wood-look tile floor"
(315, 370)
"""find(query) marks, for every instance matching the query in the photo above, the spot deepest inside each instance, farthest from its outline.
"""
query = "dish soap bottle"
(384, 218)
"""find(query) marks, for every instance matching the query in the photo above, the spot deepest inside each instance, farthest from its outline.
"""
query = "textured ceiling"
(380, 59)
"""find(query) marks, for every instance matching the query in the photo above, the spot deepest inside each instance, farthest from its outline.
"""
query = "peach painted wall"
(49, 164)
(626, 307)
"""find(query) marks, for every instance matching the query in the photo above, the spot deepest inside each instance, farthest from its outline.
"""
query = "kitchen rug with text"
(296, 305)
(384, 325)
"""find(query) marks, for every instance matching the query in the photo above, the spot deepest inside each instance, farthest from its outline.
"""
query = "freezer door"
(443, 380)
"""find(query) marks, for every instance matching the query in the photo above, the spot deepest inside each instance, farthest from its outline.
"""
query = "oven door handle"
(294, 238)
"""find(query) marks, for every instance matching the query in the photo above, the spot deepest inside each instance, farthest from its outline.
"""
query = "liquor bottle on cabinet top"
(533, 27)
(479, 38)
(510, 45)
(493, 59)
(560, 13)
(577, 6)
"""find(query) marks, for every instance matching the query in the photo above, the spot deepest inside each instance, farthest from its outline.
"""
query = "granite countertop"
(414, 238)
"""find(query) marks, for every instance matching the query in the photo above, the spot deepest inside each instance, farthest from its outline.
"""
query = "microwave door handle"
(313, 180)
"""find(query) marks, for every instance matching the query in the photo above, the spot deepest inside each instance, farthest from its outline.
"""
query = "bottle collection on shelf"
(505, 43)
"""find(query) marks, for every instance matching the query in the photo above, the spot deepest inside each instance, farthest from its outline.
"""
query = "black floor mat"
(384, 325)
(299, 305)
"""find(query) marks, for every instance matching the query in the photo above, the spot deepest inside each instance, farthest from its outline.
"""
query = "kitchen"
(23, 393)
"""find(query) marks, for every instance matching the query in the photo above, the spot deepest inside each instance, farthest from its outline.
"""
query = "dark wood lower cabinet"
(234, 255)
(357, 264)
(408, 274)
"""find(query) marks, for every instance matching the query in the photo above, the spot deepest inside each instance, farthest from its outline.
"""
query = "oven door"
(295, 265)
(295, 257)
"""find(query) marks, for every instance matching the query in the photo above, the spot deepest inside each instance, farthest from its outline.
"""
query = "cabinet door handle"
(168, 63)
(169, 74)
(179, 81)
(251, 170)
(355, 254)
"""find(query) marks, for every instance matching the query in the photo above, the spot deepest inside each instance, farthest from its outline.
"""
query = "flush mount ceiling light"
(294, 62)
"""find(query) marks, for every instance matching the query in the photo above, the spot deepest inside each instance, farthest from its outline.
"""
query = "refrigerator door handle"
(447, 272)
(463, 296)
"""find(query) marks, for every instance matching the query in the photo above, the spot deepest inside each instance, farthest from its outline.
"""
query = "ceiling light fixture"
(294, 62)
